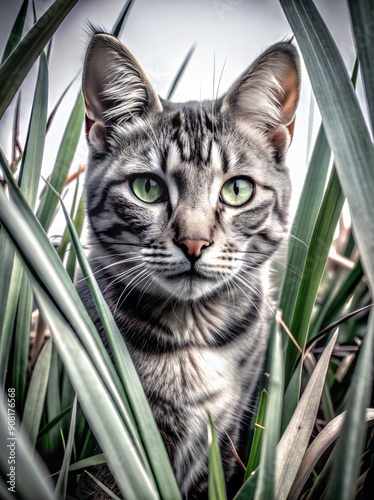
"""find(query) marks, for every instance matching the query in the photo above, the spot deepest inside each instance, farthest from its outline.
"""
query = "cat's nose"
(193, 248)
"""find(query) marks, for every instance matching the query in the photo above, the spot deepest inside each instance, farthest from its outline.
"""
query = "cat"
(187, 203)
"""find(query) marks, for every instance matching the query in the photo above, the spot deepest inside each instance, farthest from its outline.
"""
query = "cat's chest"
(189, 377)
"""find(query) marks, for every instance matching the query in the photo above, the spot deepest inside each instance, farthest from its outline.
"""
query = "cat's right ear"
(266, 95)
(115, 88)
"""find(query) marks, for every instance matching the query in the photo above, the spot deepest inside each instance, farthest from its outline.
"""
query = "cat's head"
(185, 199)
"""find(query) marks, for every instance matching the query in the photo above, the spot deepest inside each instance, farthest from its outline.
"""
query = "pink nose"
(193, 248)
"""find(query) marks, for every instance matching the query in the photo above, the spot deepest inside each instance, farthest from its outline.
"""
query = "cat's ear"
(115, 88)
(266, 95)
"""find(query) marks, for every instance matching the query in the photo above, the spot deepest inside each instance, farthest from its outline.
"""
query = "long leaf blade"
(354, 156)
(141, 412)
(343, 120)
(180, 72)
(254, 456)
(122, 18)
(361, 13)
(61, 485)
(42, 259)
(121, 454)
(17, 30)
(320, 444)
(346, 467)
(216, 487)
(303, 224)
(295, 439)
(314, 267)
(65, 155)
(33, 156)
(22, 339)
(35, 482)
(265, 488)
(14, 70)
(260, 485)
(29, 180)
(36, 394)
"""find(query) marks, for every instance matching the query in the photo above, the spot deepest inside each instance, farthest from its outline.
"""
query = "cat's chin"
(187, 288)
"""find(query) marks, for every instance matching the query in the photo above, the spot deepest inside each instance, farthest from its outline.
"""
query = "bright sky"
(228, 33)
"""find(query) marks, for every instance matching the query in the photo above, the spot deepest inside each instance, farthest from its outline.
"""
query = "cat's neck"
(210, 320)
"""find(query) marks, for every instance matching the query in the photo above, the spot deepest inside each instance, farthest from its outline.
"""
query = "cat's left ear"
(115, 88)
(267, 93)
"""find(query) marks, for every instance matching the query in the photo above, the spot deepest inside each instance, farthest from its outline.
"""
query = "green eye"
(237, 191)
(148, 190)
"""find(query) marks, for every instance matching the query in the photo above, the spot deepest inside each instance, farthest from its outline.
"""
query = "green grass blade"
(31, 241)
(33, 481)
(123, 459)
(33, 156)
(65, 246)
(216, 486)
(265, 488)
(52, 423)
(33, 409)
(361, 16)
(305, 218)
(302, 233)
(180, 73)
(342, 117)
(41, 258)
(120, 354)
(43, 255)
(295, 439)
(314, 267)
(65, 155)
(10, 289)
(78, 223)
(345, 469)
(354, 156)
(254, 456)
(318, 447)
(62, 481)
(53, 407)
(29, 180)
(16, 67)
(17, 30)
(260, 485)
(22, 339)
(48, 50)
(303, 224)
(88, 462)
(17, 154)
(292, 394)
(122, 18)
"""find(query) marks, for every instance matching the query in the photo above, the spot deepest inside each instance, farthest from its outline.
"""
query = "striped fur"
(196, 325)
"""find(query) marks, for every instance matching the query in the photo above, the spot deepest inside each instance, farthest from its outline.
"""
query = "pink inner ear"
(96, 135)
(89, 124)
(290, 127)
(281, 140)
(291, 97)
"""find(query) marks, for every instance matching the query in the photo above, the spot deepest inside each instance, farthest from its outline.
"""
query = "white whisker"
(104, 268)
(246, 295)
(124, 274)
(128, 285)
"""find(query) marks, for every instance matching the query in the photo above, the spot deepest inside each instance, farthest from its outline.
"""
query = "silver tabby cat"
(186, 205)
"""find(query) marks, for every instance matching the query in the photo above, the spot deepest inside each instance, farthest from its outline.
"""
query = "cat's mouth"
(190, 274)
(190, 284)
